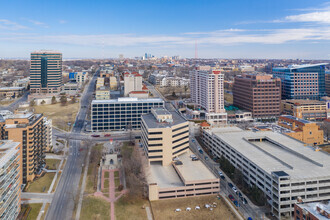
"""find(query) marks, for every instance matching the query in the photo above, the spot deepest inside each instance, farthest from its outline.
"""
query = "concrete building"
(282, 167)
(25, 82)
(81, 78)
(306, 109)
(46, 72)
(206, 88)
(10, 182)
(121, 113)
(302, 130)
(312, 211)
(113, 82)
(139, 94)
(102, 93)
(302, 81)
(48, 123)
(327, 83)
(132, 82)
(99, 82)
(259, 94)
(239, 116)
(11, 92)
(164, 135)
(29, 130)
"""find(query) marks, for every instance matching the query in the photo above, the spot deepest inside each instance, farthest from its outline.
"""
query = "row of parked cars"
(240, 196)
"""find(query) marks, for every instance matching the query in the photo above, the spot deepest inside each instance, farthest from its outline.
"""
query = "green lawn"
(52, 164)
(95, 208)
(116, 173)
(35, 209)
(106, 185)
(42, 184)
(117, 182)
(106, 174)
(125, 209)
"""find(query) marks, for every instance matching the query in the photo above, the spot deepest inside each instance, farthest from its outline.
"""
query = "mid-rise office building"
(312, 110)
(260, 94)
(282, 167)
(302, 130)
(46, 72)
(121, 113)
(10, 180)
(132, 82)
(29, 130)
(164, 135)
(302, 81)
(206, 88)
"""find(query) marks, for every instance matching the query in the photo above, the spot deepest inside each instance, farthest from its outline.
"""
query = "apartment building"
(11, 92)
(206, 89)
(122, 113)
(10, 180)
(132, 82)
(312, 211)
(313, 110)
(29, 130)
(102, 93)
(48, 133)
(302, 130)
(302, 81)
(99, 82)
(81, 78)
(164, 135)
(46, 72)
(113, 82)
(259, 93)
(282, 167)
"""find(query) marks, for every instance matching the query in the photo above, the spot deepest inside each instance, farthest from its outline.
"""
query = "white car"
(234, 189)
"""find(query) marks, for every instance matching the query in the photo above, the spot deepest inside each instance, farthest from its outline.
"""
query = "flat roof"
(191, 171)
(311, 207)
(296, 119)
(11, 88)
(126, 100)
(7, 150)
(304, 101)
(277, 152)
(301, 66)
(152, 122)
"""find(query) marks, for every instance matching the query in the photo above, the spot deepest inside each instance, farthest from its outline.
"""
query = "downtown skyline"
(102, 29)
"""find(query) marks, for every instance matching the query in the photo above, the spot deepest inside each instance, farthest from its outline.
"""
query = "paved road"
(66, 194)
(15, 104)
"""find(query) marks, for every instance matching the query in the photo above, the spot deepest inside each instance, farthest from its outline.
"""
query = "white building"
(207, 91)
(132, 82)
(81, 78)
(49, 133)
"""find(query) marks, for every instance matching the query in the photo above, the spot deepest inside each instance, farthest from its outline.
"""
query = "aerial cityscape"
(144, 110)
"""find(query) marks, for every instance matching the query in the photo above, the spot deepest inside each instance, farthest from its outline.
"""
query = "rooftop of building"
(152, 122)
(127, 100)
(292, 118)
(45, 52)
(12, 88)
(294, 66)
(303, 102)
(138, 92)
(191, 171)
(312, 208)
(31, 117)
(7, 150)
(276, 152)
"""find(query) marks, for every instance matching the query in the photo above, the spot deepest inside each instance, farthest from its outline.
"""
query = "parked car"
(230, 185)
(231, 197)
(239, 194)
(95, 135)
(195, 159)
(234, 189)
(236, 203)
(245, 201)
(223, 177)
(107, 135)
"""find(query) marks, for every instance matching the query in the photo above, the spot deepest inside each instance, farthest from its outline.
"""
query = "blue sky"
(221, 28)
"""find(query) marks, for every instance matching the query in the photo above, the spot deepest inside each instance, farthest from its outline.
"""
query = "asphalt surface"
(66, 194)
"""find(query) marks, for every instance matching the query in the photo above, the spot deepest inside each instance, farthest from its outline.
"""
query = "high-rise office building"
(302, 81)
(10, 181)
(45, 72)
(28, 129)
(207, 91)
(327, 83)
(259, 94)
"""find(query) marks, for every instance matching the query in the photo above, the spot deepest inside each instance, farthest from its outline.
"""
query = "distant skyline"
(265, 29)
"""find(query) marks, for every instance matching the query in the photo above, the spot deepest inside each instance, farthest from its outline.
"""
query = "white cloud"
(38, 23)
(318, 16)
(10, 25)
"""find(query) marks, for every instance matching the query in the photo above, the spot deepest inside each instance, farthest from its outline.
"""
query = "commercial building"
(302, 130)
(164, 135)
(282, 167)
(46, 72)
(302, 81)
(327, 83)
(121, 113)
(239, 116)
(29, 130)
(259, 94)
(132, 82)
(312, 211)
(206, 88)
(99, 82)
(10, 181)
(113, 82)
(81, 78)
(305, 109)
(139, 94)
(102, 93)
(11, 92)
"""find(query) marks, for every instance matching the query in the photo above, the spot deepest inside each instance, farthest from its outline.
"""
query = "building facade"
(282, 167)
(312, 211)
(103, 93)
(206, 88)
(121, 113)
(302, 130)
(46, 72)
(312, 110)
(260, 94)
(164, 135)
(302, 81)
(327, 83)
(29, 130)
(132, 82)
(10, 181)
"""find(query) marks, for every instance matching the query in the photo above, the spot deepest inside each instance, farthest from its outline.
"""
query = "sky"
(290, 29)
